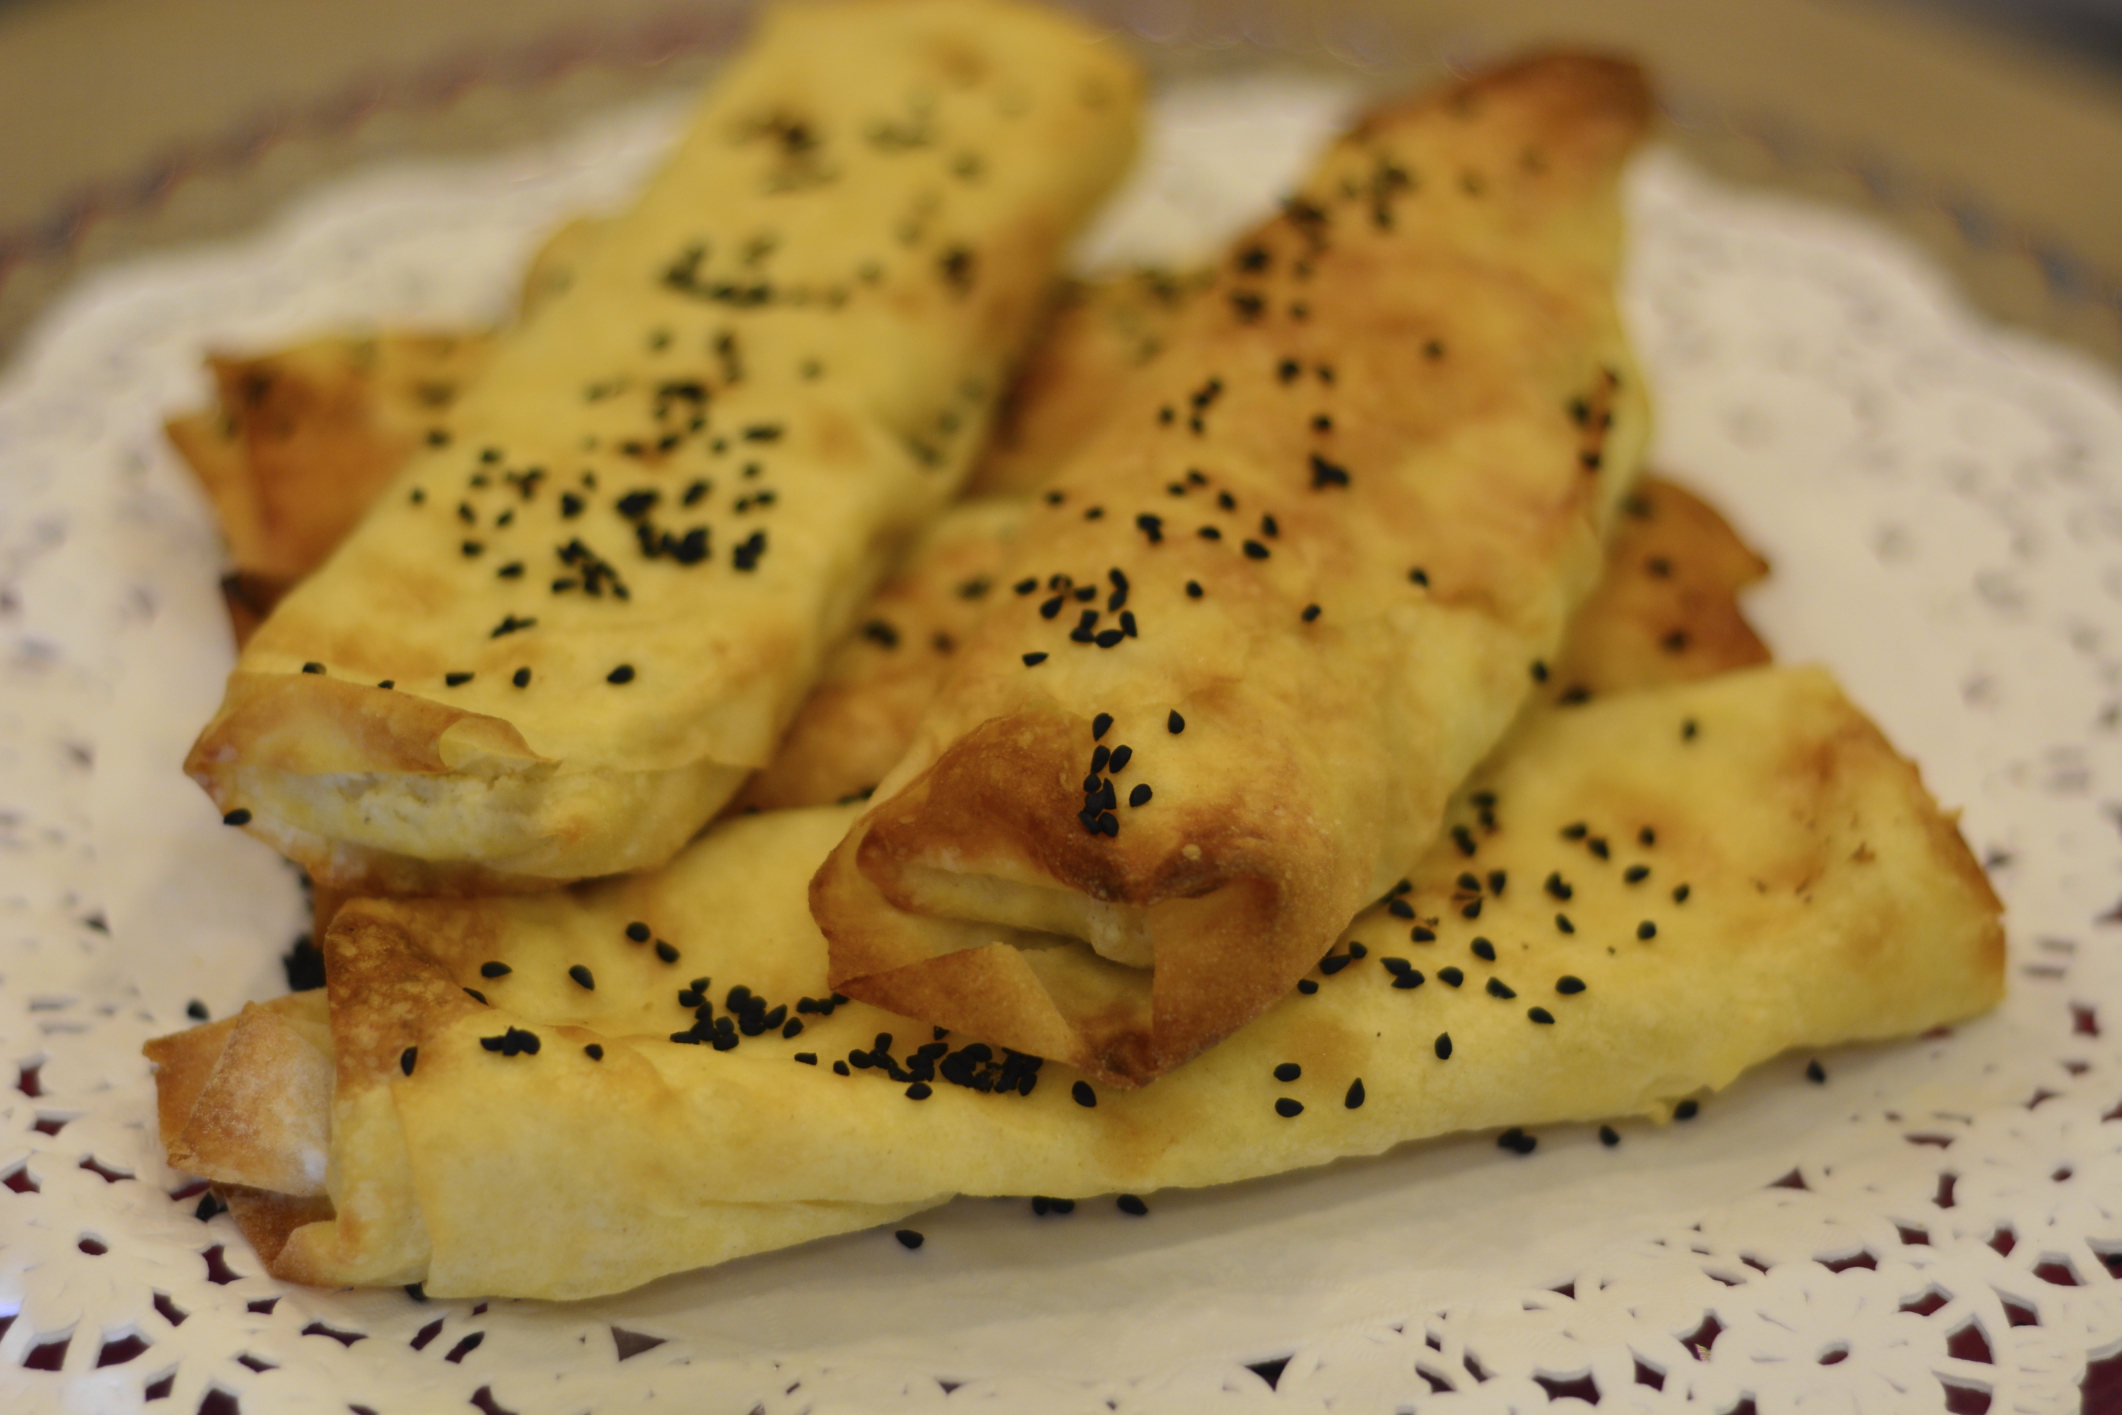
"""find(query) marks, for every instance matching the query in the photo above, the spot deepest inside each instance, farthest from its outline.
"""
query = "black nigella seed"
(1108, 638)
(1121, 756)
(637, 931)
(1333, 963)
(1541, 1015)
(1815, 1072)
(1464, 839)
(1354, 1099)
(1647, 836)
(1450, 977)
(1419, 576)
(1680, 894)
(807, 1058)
(407, 1059)
(1140, 795)
(196, 1010)
(1598, 846)
(1357, 950)
(1084, 1095)
(239, 816)
(1400, 909)
(624, 673)
(1562, 922)
(1539, 671)
(666, 952)
(1311, 612)
(1052, 606)
(1100, 725)
(472, 548)
(909, 1239)
(1289, 1108)
(522, 678)
(1026, 585)
(1686, 1110)
(1288, 1071)
(1255, 551)
(1557, 888)
(1517, 1141)
(1468, 880)
(1175, 723)
(1444, 1046)
(1471, 910)
(312, 668)
(792, 1029)
(477, 996)
(594, 1051)
(919, 1091)
(495, 970)
(1688, 729)
(1569, 985)
(1497, 879)
(388, 683)
(1420, 934)
(1130, 1204)
(1498, 988)
(1033, 660)
(1193, 589)
(456, 680)
(1484, 949)
(1408, 980)
(1608, 1136)
(1099, 760)
(1646, 930)
(583, 977)
(1575, 831)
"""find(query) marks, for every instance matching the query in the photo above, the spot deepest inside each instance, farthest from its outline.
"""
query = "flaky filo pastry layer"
(1271, 614)
(565, 634)
(1675, 884)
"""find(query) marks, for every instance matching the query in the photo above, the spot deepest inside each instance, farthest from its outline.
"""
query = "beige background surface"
(130, 124)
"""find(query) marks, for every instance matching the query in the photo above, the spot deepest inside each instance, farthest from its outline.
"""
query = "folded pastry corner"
(1270, 614)
(588, 606)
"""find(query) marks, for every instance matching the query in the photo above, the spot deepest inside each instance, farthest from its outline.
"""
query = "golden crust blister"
(1330, 527)
(1844, 908)
(674, 483)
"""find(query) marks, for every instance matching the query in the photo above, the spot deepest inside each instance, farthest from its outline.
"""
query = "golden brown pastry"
(567, 633)
(1277, 607)
(1620, 937)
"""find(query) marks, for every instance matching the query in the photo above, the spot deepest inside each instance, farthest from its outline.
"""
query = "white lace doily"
(1930, 1227)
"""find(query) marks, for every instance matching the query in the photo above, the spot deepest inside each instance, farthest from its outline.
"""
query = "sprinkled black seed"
(583, 977)
(1815, 1072)
(1646, 930)
(456, 680)
(637, 931)
(388, 683)
(909, 1239)
(1680, 894)
(1688, 729)
(1608, 1136)
(594, 1051)
(1026, 585)
(1562, 922)
(1598, 846)
(1083, 1093)
(1636, 874)
(1444, 1046)
(1484, 949)
(1498, 988)
(1450, 977)
(1129, 1204)
(407, 1059)
(840, 1069)
(666, 952)
(1539, 671)
(1100, 725)
(1289, 1108)
(1108, 638)
(1288, 1071)
(1033, 660)
(1517, 1141)
(1686, 1110)
(1307, 986)
(1464, 839)
(624, 673)
(1193, 589)
(495, 970)
(1120, 758)
(1569, 984)
(1311, 612)
(1354, 1099)
(1357, 950)
(1255, 551)
(312, 668)
(1471, 911)
(1140, 795)
(919, 1091)
(477, 996)
(1333, 963)
(1647, 836)
(1541, 1015)
(1421, 934)
(239, 816)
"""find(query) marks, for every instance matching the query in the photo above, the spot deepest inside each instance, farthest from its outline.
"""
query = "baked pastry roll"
(1271, 614)
(572, 627)
(569, 1094)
